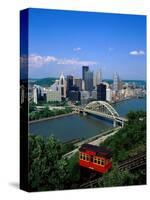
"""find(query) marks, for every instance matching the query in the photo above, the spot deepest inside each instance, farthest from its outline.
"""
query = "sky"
(64, 41)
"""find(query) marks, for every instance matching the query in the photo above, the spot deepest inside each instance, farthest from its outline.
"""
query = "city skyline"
(64, 41)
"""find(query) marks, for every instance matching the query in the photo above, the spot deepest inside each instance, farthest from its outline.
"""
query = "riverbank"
(91, 139)
(53, 117)
(78, 126)
(95, 140)
(126, 99)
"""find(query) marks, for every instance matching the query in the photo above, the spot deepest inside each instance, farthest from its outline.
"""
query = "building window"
(62, 81)
(62, 91)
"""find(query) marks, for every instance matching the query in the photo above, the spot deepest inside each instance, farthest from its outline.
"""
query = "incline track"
(134, 162)
(129, 164)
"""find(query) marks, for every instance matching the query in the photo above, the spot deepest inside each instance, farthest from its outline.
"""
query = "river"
(78, 126)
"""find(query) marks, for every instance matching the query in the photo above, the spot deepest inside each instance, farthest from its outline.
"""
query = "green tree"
(116, 178)
(128, 142)
(132, 136)
(32, 107)
(47, 169)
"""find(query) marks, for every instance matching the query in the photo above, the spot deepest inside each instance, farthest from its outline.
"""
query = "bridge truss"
(104, 109)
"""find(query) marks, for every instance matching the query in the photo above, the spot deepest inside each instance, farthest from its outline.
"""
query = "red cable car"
(97, 158)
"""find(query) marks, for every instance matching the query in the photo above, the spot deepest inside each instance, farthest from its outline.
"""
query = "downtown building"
(62, 86)
(84, 97)
(116, 82)
(97, 78)
(53, 96)
(35, 94)
(94, 94)
(87, 76)
(109, 94)
(74, 94)
(78, 82)
(101, 92)
(39, 93)
(73, 88)
(57, 91)
(69, 84)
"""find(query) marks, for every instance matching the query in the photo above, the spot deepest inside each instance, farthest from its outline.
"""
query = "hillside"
(44, 82)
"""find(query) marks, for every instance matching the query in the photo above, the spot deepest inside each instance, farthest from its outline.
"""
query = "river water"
(78, 126)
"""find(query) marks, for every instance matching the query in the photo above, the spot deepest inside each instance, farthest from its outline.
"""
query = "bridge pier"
(84, 113)
(122, 124)
(114, 123)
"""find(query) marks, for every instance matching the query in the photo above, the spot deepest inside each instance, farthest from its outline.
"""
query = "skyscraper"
(115, 82)
(83, 85)
(62, 85)
(35, 95)
(101, 92)
(89, 81)
(84, 70)
(108, 95)
(78, 83)
(88, 78)
(69, 83)
(74, 95)
(85, 95)
(97, 79)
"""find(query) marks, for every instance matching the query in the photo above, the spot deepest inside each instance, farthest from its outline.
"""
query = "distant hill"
(45, 82)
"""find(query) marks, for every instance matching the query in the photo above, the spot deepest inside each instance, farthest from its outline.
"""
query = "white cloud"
(40, 61)
(77, 49)
(75, 62)
(137, 53)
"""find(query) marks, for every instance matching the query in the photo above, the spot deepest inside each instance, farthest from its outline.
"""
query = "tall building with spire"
(57, 91)
(62, 85)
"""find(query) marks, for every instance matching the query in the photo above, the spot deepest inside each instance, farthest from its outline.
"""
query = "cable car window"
(80, 155)
(91, 158)
(87, 157)
(99, 161)
(83, 157)
(95, 160)
(102, 162)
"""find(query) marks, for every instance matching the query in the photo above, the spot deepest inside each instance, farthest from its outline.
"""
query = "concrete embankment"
(99, 140)
(96, 137)
(96, 140)
(53, 117)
